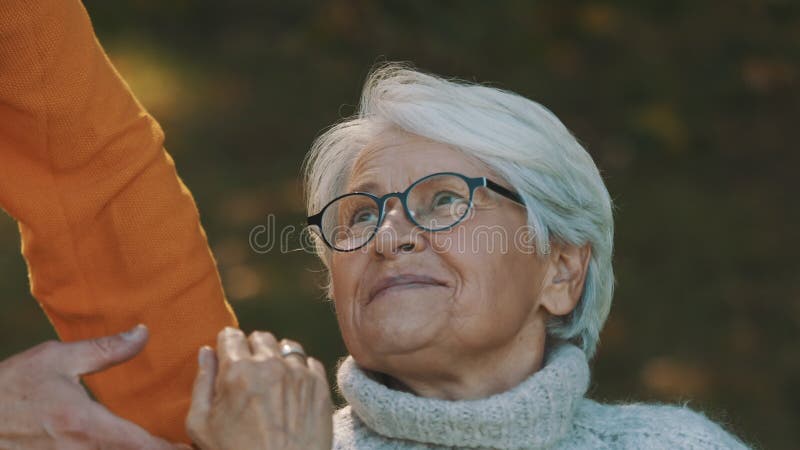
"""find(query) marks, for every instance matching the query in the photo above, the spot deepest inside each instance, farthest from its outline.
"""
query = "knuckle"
(239, 374)
(104, 347)
(234, 373)
(229, 333)
(274, 369)
(263, 335)
(232, 332)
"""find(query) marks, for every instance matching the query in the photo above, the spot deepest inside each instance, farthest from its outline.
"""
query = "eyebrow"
(368, 186)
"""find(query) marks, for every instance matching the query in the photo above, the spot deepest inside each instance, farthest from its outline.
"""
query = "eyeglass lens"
(435, 203)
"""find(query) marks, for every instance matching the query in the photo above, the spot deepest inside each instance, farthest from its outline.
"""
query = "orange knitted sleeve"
(110, 234)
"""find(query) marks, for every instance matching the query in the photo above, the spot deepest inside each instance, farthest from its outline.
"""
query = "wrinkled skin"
(247, 396)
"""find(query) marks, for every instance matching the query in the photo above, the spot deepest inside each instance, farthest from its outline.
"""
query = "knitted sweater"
(546, 411)
(111, 236)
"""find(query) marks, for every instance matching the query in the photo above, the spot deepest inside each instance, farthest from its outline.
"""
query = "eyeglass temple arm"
(503, 191)
(316, 219)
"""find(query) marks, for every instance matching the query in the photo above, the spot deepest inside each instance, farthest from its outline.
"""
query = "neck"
(474, 378)
(536, 413)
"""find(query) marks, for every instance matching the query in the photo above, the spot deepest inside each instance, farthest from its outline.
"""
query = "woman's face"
(460, 293)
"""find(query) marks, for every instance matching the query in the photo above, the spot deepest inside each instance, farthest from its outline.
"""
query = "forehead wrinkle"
(363, 179)
(370, 174)
(365, 165)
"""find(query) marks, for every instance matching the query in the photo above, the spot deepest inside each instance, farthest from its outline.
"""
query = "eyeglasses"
(436, 202)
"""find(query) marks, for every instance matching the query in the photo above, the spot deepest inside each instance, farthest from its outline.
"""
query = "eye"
(445, 198)
(364, 215)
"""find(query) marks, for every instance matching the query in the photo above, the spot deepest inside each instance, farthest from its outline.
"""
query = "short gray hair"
(519, 139)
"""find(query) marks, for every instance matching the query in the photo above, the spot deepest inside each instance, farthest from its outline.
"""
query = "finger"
(322, 390)
(93, 355)
(322, 404)
(294, 359)
(263, 345)
(231, 346)
(295, 393)
(318, 370)
(203, 391)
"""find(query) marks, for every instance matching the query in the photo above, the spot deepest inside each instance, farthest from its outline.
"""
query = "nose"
(397, 234)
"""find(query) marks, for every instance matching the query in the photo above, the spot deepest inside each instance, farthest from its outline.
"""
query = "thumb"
(94, 355)
(202, 394)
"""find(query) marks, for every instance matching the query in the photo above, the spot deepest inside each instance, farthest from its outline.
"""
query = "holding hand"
(256, 393)
(43, 406)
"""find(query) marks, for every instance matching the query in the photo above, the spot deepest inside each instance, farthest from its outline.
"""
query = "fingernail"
(202, 356)
(135, 333)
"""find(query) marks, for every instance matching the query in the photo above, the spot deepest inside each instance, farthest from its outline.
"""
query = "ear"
(563, 283)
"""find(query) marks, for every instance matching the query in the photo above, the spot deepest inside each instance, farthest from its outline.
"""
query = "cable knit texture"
(548, 410)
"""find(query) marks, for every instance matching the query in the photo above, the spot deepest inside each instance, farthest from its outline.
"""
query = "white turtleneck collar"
(536, 413)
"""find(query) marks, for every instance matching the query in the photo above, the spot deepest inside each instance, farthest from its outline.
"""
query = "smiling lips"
(407, 280)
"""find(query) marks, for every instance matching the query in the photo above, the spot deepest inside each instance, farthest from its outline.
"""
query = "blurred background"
(689, 108)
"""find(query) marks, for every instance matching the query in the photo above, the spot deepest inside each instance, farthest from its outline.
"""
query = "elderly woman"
(468, 236)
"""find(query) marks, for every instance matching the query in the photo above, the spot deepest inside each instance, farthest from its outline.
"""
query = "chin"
(377, 344)
(401, 316)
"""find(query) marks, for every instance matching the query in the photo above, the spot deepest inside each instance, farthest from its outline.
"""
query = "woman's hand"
(43, 406)
(248, 396)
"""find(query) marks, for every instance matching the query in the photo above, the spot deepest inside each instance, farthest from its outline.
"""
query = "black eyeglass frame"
(472, 183)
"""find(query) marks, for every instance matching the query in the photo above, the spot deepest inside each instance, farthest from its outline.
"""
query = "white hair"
(520, 140)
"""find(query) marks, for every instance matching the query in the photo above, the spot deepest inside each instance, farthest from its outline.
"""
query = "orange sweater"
(110, 234)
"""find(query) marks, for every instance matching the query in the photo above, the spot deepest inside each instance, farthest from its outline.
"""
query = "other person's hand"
(249, 396)
(43, 405)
